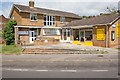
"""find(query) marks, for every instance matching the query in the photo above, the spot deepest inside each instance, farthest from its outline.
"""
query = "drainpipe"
(106, 36)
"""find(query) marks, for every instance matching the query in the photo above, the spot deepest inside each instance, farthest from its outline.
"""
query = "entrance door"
(32, 36)
(82, 36)
(66, 35)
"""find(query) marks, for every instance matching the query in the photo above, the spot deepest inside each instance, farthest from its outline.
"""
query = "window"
(88, 35)
(49, 20)
(51, 32)
(112, 35)
(12, 17)
(62, 19)
(33, 17)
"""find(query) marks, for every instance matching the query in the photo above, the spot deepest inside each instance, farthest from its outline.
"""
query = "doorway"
(66, 35)
(32, 36)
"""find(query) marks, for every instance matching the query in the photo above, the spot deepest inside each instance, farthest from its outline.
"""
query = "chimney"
(31, 3)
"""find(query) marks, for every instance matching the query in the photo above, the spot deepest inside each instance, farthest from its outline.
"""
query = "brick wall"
(23, 19)
(116, 41)
(96, 42)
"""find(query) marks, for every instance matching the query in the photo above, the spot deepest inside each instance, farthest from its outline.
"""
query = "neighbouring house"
(102, 30)
(35, 24)
(3, 21)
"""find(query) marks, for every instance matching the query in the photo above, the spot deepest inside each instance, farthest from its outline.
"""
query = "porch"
(32, 35)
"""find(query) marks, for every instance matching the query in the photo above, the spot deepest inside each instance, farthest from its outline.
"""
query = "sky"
(80, 7)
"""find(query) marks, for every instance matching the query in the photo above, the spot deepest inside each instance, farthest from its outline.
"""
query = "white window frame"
(33, 14)
(62, 19)
(112, 35)
(51, 32)
(50, 20)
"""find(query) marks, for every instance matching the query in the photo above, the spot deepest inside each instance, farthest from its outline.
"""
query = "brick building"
(103, 30)
(3, 21)
(34, 23)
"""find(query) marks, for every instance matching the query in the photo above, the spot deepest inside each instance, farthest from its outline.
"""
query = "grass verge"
(10, 49)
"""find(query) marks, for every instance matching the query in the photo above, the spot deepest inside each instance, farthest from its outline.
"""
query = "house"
(102, 30)
(34, 22)
(3, 21)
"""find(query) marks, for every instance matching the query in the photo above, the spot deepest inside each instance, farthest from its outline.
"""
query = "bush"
(8, 32)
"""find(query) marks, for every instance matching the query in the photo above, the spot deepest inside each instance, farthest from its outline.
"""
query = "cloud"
(76, 6)
(62, 0)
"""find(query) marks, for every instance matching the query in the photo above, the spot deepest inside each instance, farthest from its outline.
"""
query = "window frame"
(112, 37)
(62, 19)
(35, 15)
(51, 32)
(49, 20)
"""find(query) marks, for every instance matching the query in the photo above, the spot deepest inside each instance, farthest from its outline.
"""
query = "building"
(3, 21)
(35, 23)
(103, 31)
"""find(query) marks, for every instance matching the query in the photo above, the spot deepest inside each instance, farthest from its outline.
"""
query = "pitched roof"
(23, 8)
(3, 19)
(98, 20)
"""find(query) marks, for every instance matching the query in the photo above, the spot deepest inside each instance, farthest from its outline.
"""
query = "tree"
(8, 32)
(111, 10)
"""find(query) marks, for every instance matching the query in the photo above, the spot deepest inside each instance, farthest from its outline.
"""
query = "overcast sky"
(80, 7)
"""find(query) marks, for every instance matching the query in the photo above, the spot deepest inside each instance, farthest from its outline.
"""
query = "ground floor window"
(112, 35)
(85, 35)
(88, 35)
(51, 32)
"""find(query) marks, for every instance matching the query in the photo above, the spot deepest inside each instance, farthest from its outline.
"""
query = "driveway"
(73, 47)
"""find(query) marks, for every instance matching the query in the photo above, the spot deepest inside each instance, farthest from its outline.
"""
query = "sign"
(118, 30)
(23, 32)
(100, 34)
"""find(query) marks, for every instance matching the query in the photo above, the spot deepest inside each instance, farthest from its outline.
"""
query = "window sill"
(62, 22)
(51, 35)
(33, 20)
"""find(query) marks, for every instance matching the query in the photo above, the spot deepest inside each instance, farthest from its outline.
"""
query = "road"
(60, 66)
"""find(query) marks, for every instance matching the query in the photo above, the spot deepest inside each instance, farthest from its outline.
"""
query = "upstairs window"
(62, 19)
(12, 17)
(33, 17)
(49, 20)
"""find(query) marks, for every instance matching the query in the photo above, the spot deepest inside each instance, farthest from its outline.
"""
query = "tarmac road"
(60, 66)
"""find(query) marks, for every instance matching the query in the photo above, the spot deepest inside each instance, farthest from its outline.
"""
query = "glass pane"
(45, 23)
(50, 23)
(44, 18)
(50, 18)
(81, 36)
(88, 35)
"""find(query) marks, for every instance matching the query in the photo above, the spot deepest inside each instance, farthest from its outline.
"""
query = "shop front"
(79, 35)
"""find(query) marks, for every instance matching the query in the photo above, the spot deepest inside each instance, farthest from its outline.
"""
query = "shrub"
(8, 32)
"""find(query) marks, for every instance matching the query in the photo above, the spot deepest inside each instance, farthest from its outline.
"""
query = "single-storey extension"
(102, 30)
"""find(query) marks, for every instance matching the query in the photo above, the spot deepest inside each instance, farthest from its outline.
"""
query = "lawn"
(10, 49)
